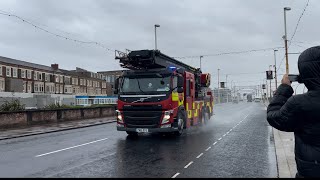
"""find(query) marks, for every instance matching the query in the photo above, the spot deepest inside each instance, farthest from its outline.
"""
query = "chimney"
(55, 66)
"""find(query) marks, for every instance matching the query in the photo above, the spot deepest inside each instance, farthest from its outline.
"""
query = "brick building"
(25, 77)
(111, 77)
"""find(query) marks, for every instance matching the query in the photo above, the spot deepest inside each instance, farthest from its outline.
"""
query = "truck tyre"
(130, 133)
(181, 124)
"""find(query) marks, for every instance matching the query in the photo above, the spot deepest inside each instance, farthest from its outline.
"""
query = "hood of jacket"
(309, 68)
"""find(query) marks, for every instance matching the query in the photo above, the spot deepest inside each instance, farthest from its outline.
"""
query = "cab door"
(189, 97)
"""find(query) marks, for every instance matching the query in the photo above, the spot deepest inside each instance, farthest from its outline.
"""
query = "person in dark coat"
(301, 113)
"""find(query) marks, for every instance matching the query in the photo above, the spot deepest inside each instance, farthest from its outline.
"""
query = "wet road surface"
(237, 142)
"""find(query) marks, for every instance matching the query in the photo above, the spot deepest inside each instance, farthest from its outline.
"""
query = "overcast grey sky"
(188, 28)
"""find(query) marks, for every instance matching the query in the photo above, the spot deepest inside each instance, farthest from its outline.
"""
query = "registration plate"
(142, 130)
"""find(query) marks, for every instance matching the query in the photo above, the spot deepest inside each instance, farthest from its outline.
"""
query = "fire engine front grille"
(138, 116)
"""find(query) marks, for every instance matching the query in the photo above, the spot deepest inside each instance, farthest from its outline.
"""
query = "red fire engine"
(160, 94)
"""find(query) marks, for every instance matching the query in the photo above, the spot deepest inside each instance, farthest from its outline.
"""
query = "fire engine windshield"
(145, 84)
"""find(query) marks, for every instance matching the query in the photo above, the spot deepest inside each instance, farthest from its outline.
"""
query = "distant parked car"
(257, 100)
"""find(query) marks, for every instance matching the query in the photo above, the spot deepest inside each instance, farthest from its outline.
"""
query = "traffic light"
(263, 86)
(269, 75)
(222, 85)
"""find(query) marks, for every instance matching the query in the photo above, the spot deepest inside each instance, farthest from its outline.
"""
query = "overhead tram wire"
(228, 53)
(295, 30)
(233, 74)
(55, 34)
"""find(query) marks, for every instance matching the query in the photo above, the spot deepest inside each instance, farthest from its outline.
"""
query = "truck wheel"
(130, 133)
(181, 123)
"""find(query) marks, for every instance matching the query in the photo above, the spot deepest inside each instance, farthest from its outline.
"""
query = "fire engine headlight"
(167, 116)
(119, 117)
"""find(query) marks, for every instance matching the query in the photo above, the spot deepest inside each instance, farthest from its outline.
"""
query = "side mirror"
(180, 81)
(180, 89)
(116, 86)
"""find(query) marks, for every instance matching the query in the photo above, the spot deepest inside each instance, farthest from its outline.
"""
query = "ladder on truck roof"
(150, 59)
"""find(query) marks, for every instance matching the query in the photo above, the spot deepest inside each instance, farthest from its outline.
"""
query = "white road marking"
(231, 130)
(174, 176)
(228, 132)
(188, 165)
(79, 165)
(214, 143)
(70, 147)
(199, 155)
(208, 148)
(219, 139)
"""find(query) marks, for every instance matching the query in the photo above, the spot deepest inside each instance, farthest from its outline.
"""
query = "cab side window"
(175, 84)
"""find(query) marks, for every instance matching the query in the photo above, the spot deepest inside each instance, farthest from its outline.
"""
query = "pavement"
(53, 127)
(284, 141)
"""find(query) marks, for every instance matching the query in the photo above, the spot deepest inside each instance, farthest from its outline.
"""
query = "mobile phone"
(293, 77)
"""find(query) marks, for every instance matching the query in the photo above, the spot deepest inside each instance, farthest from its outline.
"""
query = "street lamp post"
(232, 92)
(267, 90)
(275, 68)
(200, 61)
(270, 66)
(285, 37)
(218, 87)
(155, 34)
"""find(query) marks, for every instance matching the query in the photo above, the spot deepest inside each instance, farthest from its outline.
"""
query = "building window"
(14, 72)
(24, 86)
(36, 88)
(29, 87)
(57, 89)
(28, 74)
(23, 73)
(50, 88)
(0, 70)
(41, 87)
(8, 71)
(57, 78)
(39, 75)
(61, 79)
(47, 77)
(104, 85)
(112, 78)
(74, 81)
(35, 77)
(2, 85)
